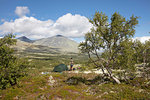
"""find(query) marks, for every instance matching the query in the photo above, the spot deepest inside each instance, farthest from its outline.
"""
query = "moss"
(140, 82)
(11, 93)
(124, 92)
(57, 75)
(40, 80)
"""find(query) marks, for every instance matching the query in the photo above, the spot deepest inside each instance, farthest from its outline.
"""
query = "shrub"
(11, 67)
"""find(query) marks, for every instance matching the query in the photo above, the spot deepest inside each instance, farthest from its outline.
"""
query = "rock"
(105, 93)
(16, 98)
(112, 92)
(141, 90)
(42, 97)
(51, 81)
(57, 98)
(72, 81)
(45, 72)
(87, 72)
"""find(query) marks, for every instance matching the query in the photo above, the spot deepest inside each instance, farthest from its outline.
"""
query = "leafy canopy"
(113, 38)
(11, 67)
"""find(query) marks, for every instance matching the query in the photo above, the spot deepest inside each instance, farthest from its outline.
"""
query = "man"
(71, 64)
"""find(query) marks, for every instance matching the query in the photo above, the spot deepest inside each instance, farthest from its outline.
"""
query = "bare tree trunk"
(124, 74)
(112, 76)
(102, 68)
(116, 80)
(108, 70)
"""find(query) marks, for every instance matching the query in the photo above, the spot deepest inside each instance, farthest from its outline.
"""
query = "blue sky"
(56, 12)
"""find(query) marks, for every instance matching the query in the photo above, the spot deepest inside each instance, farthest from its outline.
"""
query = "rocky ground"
(70, 85)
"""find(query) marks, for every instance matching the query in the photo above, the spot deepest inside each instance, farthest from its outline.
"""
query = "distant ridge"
(59, 36)
(25, 39)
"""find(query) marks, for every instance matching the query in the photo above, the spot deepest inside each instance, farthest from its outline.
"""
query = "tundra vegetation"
(125, 64)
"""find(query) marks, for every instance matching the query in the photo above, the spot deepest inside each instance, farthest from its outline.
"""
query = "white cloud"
(142, 39)
(22, 11)
(68, 25)
(28, 26)
(2, 20)
(72, 25)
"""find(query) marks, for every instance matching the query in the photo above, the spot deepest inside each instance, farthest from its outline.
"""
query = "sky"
(37, 19)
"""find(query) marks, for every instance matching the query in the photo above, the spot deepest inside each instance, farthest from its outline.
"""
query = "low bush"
(11, 67)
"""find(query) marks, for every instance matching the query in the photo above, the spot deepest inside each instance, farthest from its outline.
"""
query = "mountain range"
(56, 43)
(25, 39)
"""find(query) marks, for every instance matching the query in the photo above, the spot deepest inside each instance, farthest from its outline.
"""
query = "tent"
(60, 68)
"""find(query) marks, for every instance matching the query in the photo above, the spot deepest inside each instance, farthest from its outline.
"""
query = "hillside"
(25, 49)
(59, 41)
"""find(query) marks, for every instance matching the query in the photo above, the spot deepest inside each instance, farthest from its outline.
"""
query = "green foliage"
(138, 46)
(142, 56)
(105, 35)
(147, 52)
(125, 58)
(11, 68)
(142, 51)
(113, 39)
